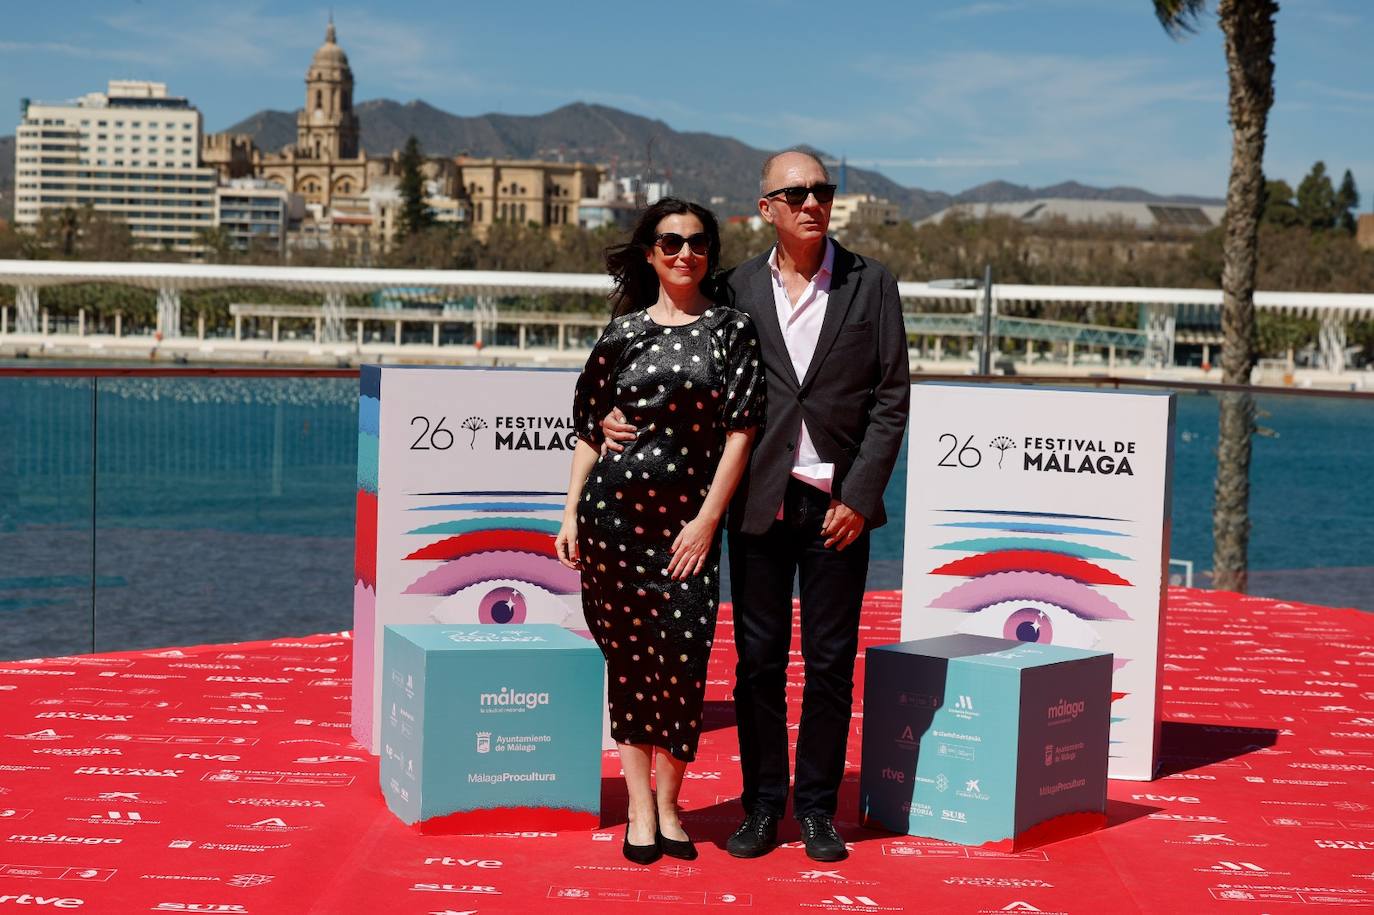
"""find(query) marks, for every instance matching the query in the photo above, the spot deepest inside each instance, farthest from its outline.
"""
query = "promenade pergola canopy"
(333, 284)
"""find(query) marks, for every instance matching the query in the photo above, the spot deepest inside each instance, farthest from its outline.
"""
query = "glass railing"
(160, 507)
(142, 509)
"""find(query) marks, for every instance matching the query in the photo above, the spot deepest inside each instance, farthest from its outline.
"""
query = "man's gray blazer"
(854, 397)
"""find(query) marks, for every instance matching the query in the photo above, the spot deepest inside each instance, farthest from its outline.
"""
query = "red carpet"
(223, 779)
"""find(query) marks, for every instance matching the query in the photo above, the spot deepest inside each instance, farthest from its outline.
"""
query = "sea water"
(222, 508)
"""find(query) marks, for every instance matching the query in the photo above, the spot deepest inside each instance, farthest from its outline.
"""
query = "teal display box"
(491, 728)
(984, 741)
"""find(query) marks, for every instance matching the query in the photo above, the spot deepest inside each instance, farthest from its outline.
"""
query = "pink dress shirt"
(801, 328)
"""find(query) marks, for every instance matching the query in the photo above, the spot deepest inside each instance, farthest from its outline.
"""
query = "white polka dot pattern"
(683, 388)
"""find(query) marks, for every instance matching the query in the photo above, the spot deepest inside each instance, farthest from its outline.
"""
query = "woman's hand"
(690, 548)
(565, 545)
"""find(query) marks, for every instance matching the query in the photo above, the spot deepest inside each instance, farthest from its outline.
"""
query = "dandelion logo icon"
(474, 424)
(1003, 445)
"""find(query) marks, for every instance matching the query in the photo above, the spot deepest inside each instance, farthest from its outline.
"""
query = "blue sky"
(939, 95)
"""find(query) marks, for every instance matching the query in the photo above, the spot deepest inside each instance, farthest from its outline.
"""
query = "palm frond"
(1179, 17)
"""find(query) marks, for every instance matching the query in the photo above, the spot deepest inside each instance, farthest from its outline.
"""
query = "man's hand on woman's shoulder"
(618, 432)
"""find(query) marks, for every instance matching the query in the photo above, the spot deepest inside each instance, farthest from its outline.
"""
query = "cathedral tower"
(327, 128)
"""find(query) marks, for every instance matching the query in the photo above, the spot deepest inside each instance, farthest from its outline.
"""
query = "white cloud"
(1115, 115)
(70, 50)
(1348, 95)
(396, 54)
(972, 10)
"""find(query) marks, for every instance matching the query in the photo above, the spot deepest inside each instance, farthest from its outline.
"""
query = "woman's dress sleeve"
(745, 400)
(594, 395)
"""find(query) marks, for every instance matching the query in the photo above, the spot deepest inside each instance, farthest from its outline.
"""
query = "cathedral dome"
(330, 54)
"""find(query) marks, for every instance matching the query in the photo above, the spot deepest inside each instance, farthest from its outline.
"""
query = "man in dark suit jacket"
(834, 349)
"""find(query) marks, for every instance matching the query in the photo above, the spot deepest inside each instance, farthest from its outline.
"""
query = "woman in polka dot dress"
(643, 525)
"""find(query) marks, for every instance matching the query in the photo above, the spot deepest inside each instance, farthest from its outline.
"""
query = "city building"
(1364, 231)
(350, 195)
(597, 213)
(326, 160)
(1139, 215)
(525, 191)
(257, 214)
(131, 152)
(866, 209)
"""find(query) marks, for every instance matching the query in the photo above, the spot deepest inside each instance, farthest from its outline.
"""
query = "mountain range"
(702, 166)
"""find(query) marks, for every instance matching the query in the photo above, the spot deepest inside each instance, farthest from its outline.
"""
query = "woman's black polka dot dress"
(683, 387)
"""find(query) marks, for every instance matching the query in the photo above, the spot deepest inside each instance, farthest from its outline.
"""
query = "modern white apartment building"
(255, 212)
(132, 152)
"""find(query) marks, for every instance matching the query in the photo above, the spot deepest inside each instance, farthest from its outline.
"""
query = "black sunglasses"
(796, 195)
(671, 243)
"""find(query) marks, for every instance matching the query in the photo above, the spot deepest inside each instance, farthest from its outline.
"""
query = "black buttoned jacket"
(854, 398)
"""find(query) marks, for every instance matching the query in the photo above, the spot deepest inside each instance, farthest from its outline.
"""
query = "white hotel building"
(132, 152)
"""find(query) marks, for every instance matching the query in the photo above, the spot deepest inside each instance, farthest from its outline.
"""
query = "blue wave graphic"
(1029, 528)
(490, 507)
(998, 544)
(1018, 514)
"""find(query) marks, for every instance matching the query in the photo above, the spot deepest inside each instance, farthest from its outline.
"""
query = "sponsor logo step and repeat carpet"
(225, 778)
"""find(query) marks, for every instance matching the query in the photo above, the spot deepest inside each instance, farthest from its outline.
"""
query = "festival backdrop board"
(1042, 515)
(462, 475)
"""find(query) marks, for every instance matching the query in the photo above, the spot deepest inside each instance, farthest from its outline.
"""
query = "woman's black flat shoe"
(641, 854)
(682, 849)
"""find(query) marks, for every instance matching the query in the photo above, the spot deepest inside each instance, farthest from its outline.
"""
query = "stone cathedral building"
(351, 195)
(326, 161)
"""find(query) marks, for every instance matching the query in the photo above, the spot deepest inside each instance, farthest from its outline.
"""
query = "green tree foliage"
(1278, 333)
(73, 233)
(415, 216)
(1347, 201)
(217, 245)
(1279, 209)
(1318, 204)
(1317, 199)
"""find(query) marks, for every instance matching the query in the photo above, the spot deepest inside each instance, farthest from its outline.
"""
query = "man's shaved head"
(764, 185)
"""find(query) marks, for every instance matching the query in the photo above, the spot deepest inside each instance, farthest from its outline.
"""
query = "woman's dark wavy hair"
(636, 284)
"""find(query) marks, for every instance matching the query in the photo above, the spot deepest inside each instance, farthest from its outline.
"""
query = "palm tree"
(1249, 29)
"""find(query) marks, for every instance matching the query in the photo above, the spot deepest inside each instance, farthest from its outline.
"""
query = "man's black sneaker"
(823, 843)
(756, 836)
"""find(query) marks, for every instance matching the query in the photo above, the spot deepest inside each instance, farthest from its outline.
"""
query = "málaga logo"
(507, 698)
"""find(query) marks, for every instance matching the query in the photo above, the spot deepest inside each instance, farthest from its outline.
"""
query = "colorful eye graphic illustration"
(997, 587)
(1030, 607)
(1031, 621)
(495, 567)
(506, 602)
(502, 605)
(1027, 581)
(1055, 563)
(1041, 589)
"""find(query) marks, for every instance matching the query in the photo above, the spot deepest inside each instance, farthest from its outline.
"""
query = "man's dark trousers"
(762, 569)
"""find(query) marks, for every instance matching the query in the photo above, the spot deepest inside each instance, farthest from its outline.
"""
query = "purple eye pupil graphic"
(502, 605)
(1029, 625)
